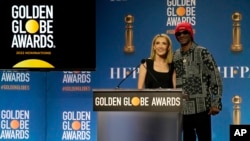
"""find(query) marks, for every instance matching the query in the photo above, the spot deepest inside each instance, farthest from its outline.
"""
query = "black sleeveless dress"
(156, 79)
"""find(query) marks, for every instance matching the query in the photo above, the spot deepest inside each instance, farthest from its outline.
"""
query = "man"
(198, 75)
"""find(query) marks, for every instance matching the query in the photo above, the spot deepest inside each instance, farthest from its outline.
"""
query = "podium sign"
(154, 100)
(138, 115)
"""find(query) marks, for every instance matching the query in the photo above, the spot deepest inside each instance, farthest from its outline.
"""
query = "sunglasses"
(179, 33)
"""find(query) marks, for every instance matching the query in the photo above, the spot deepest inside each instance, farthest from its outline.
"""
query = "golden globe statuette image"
(236, 46)
(129, 47)
(236, 112)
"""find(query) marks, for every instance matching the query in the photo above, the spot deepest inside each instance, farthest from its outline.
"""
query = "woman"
(157, 71)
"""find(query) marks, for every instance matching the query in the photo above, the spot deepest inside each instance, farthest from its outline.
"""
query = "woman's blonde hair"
(169, 55)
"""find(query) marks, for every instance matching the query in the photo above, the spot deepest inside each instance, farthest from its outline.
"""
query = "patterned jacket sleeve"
(215, 78)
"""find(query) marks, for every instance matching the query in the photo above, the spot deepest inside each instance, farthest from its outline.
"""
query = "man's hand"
(213, 111)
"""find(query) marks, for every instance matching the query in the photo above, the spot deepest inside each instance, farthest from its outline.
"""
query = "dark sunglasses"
(179, 33)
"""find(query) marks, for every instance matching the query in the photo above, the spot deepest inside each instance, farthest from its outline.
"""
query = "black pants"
(197, 126)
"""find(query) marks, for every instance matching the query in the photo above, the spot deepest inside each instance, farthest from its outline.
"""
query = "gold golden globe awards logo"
(32, 28)
(15, 124)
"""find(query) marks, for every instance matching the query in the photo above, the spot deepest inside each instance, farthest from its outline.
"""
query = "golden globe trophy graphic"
(236, 46)
(236, 112)
(129, 47)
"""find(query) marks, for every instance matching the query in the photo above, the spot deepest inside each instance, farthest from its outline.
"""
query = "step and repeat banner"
(55, 101)
(22, 106)
(47, 106)
(70, 115)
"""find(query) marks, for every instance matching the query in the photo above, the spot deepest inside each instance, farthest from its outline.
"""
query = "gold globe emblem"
(135, 101)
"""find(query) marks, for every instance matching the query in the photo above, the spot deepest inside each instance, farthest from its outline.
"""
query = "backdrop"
(213, 25)
(57, 105)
